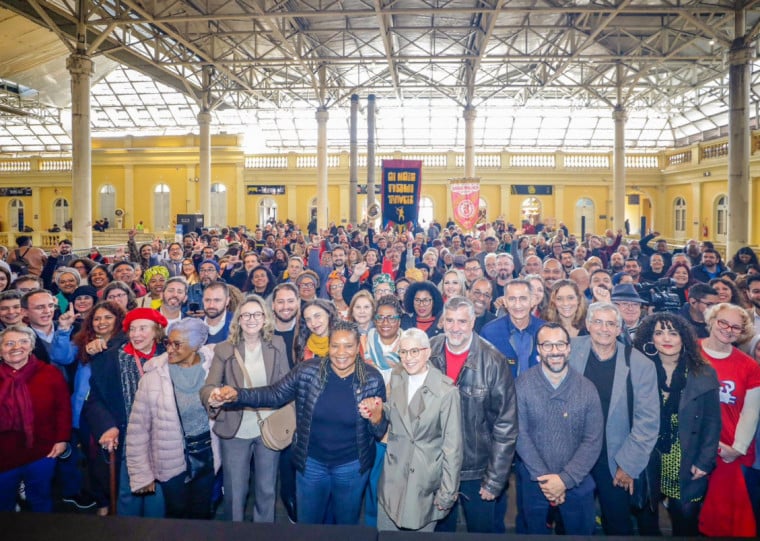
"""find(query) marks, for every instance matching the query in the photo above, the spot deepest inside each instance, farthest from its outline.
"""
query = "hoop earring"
(652, 351)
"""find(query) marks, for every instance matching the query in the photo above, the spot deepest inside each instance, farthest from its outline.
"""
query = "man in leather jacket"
(489, 417)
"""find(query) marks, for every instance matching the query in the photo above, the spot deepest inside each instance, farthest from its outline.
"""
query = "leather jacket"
(304, 384)
(489, 412)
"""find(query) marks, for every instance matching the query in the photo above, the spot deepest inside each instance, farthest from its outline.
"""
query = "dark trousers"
(615, 502)
(481, 516)
(684, 517)
(287, 477)
(189, 500)
(577, 512)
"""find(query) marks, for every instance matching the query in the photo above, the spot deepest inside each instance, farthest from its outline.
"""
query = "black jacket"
(489, 412)
(304, 384)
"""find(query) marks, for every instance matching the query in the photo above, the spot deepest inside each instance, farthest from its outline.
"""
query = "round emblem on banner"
(466, 209)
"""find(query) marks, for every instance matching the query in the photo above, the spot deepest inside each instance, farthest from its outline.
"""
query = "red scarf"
(130, 350)
(16, 413)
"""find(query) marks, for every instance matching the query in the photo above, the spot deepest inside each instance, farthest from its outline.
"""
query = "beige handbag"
(278, 429)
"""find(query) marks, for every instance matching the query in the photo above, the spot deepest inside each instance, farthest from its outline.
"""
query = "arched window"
(679, 216)
(584, 216)
(107, 205)
(60, 212)
(161, 207)
(218, 205)
(267, 211)
(721, 218)
(426, 214)
(531, 210)
(16, 214)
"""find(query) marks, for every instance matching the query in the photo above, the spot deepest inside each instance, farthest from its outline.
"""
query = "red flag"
(465, 199)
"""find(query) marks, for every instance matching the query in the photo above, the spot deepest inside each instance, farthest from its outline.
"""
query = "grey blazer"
(627, 447)
(225, 370)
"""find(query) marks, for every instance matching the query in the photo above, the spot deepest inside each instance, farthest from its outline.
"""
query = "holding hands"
(371, 409)
(221, 396)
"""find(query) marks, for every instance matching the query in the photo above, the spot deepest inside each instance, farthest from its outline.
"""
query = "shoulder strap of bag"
(179, 415)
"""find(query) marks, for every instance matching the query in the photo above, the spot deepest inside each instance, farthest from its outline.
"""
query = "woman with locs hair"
(727, 510)
(252, 357)
(168, 421)
(333, 449)
(689, 423)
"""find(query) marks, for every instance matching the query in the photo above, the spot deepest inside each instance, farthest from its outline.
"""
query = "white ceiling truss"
(248, 61)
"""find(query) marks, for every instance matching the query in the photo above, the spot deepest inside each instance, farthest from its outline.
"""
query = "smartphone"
(194, 307)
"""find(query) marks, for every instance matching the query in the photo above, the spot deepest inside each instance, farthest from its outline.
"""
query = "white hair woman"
(168, 436)
(420, 478)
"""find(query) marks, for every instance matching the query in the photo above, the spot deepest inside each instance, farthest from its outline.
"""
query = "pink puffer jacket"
(154, 443)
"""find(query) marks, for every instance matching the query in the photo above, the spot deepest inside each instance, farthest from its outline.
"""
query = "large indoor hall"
(129, 128)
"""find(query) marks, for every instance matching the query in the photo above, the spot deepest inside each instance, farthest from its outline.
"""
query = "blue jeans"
(370, 495)
(752, 479)
(132, 505)
(578, 511)
(320, 486)
(481, 516)
(38, 484)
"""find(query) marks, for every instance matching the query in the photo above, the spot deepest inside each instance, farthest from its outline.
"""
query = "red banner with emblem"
(465, 198)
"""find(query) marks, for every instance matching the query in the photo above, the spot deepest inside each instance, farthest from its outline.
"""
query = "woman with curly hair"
(689, 423)
(424, 305)
(334, 447)
(727, 511)
(260, 281)
(727, 291)
(567, 306)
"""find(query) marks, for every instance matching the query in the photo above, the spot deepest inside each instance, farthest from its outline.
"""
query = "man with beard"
(216, 300)
(489, 418)
(701, 297)
(532, 265)
(693, 252)
(560, 438)
(632, 268)
(481, 293)
(600, 286)
(567, 259)
(617, 263)
(173, 298)
(552, 272)
(285, 305)
(62, 256)
(472, 271)
(338, 265)
(711, 266)
(505, 266)
(489, 262)
(208, 271)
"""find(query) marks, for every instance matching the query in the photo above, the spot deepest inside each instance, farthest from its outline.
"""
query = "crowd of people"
(424, 369)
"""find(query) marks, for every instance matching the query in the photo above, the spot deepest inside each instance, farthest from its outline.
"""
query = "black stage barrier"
(65, 527)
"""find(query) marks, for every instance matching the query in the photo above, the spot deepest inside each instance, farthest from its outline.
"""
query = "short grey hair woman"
(169, 421)
(252, 356)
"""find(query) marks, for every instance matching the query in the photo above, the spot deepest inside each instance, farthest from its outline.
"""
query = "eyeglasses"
(603, 323)
(725, 326)
(386, 319)
(119, 295)
(628, 305)
(256, 316)
(20, 342)
(423, 300)
(412, 353)
(174, 344)
(212, 270)
(307, 285)
(546, 347)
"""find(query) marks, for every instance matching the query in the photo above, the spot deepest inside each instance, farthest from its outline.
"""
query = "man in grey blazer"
(628, 438)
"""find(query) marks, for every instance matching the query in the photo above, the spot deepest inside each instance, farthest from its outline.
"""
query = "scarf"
(16, 413)
(131, 364)
(374, 352)
(319, 346)
(669, 407)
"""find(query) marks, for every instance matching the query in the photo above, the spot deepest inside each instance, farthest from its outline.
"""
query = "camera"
(661, 295)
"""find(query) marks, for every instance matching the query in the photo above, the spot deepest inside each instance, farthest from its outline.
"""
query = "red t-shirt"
(455, 362)
(737, 374)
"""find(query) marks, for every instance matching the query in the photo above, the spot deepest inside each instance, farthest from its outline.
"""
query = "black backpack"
(20, 266)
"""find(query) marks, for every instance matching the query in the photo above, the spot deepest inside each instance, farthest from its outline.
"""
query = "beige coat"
(424, 454)
(225, 370)
(155, 443)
